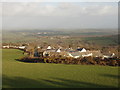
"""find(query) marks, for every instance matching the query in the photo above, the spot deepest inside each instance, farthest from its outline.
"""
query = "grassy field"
(43, 75)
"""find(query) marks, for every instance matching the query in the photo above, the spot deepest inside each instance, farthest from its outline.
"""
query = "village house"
(95, 53)
(108, 55)
(81, 49)
(68, 52)
(10, 46)
(74, 54)
(51, 52)
(22, 47)
(49, 48)
(84, 53)
(6, 46)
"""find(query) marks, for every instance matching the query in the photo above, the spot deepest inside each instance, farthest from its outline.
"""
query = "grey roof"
(79, 49)
(107, 54)
(75, 53)
(96, 53)
(51, 50)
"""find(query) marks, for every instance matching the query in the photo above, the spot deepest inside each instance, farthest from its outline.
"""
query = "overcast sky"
(67, 15)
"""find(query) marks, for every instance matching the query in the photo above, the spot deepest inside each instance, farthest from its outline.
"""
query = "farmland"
(82, 38)
(104, 40)
(44, 75)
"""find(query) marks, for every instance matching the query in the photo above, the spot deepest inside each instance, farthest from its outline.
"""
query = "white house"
(38, 47)
(113, 54)
(21, 47)
(58, 50)
(87, 55)
(74, 54)
(81, 50)
(49, 47)
(6, 46)
(108, 56)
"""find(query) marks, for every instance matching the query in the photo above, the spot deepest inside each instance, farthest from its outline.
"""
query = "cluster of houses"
(74, 53)
(68, 52)
(15, 47)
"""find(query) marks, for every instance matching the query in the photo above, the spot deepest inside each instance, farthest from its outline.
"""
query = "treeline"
(79, 61)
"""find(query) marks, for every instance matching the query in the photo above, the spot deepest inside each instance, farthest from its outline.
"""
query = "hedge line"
(65, 60)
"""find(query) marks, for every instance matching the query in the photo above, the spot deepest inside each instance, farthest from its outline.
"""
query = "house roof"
(80, 49)
(58, 50)
(107, 54)
(84, 53)
(75, 53)
(49, 47)
(96, 53)
(51, 50)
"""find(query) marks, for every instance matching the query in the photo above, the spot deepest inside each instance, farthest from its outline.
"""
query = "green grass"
(43, 75)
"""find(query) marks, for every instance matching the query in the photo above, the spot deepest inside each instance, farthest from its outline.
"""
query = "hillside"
(104, 40)
(102, 37)
(43, 75)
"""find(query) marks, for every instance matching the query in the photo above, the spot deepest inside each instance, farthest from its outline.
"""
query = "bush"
(66, 60)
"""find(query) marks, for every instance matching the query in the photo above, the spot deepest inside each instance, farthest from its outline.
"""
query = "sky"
(58, 15)
(59, 0)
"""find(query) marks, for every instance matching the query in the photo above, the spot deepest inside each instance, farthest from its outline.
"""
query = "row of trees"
(81, 61)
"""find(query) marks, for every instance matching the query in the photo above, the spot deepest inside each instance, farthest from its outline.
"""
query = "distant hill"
(104, 40)
(89, 35)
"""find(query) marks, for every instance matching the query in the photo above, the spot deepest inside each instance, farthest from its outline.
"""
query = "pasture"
(44, 75)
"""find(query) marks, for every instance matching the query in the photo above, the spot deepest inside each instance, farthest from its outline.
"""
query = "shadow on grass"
(111, 76)
(21, 82)
(30, 61)
(76, 84)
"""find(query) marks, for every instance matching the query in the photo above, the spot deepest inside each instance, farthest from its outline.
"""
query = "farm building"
(77, 54)
(108, 55)
(49, 47)
(51, 52)
(22, 47)
(96, 53)
(48, 52)
(10, 46)
(6, 46)
(81, 50)
(74, 54)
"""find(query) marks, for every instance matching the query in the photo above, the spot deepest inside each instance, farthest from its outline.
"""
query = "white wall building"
(81, 49)
(49, 47)
(87, 55)
(21, 47)
(58, 50)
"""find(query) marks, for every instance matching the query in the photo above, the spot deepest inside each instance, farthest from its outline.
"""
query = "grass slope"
(43, 75)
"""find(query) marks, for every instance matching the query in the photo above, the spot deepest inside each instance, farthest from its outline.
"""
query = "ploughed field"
(45, 75)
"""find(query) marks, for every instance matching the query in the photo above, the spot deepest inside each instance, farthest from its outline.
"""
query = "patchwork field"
(43, 75)
(104, 40)
(76, 37)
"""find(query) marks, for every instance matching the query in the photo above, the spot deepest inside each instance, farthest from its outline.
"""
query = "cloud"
(100, 10)
(59, 15)
(62, 9)
(59, 0)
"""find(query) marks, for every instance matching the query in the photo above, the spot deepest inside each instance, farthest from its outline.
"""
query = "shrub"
(66, 60)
